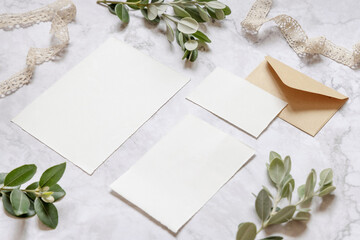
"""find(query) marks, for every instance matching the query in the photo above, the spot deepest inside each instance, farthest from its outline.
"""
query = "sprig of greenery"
(267, 204)
(187, 16)
(37, 198)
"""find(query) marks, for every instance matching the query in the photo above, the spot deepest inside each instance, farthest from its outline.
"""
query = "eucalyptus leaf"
(188, 25)
(309, 185)
(152, 12)
(193, 55)
(326, 176)
(216, 5)
(227, 10)
(122, 13)
(46, 212)
(246, 231)
(301, 191)
(201, 36)
(52, 175)
(287, 164)
(276, 170)
(268, 191)
(194, 13)
(162, 9)
(19, 202)
(133, 6)
(20, 175)
(211, 12)
(203, 14)
(2, 177)
(302, 216)
(327, 191)
(273, 155)
(263, 205)
(169, 32)
(181, 12)
(284, 215)
(191, 45)
(219, 13)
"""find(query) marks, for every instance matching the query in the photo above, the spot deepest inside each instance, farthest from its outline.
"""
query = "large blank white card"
(95, 107)
(175, 178)
(237, 101)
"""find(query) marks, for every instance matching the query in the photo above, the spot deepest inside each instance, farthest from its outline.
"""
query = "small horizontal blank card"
(175, 178)
(87, 114)
(237, 101)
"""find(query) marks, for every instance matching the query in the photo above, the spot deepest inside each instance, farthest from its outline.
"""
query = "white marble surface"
(91, 211)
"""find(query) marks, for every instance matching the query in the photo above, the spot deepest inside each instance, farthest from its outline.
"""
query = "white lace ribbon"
(60, 14)
(297, 38)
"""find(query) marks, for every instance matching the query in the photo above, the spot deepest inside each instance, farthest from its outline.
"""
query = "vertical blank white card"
(95, 107)
(175, 178)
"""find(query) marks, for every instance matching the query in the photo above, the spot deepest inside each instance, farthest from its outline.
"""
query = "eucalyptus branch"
(37, 198)
(267, 206)
(187, 16)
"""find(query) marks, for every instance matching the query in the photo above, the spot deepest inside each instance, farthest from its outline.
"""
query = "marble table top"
(91, 211)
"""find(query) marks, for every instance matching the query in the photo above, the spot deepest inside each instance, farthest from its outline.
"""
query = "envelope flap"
(297, 80)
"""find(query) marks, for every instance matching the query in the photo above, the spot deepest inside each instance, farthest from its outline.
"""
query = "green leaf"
(180, 12)
(301, 191)
(188, 25)
(132, 5)
(58, 192)
(152, 12)
(283, 215)
(19, 202)
(194, 55)
(310, 184)
(194, 13)
(302, 216)
(326, 176)
(47, 213)
(145, 14)
(288, 188)
(219, 13)
(191, 45)
(161, 9)
(263, 205)
(211, 12)
(122, 12)
(216, 5)
(52, 175)
(273, 155)
(169, 32)
(227, 10)
(32, 186)
(20, 175)
(276, 171)
(203, 14)
(268, 191)
(327, 191)
(201, 36)
(287, 164)
(273, 238)
(2, 177)
(246, 231)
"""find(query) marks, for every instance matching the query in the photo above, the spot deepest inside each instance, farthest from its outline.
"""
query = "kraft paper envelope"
(175, 178)
(96, 106)
(237, 101)
(310, 103)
